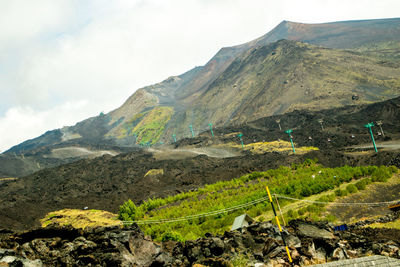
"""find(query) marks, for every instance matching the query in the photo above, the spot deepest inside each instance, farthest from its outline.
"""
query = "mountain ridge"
(183, 93)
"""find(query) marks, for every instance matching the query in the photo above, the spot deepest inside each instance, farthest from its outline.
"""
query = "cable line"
(206, 214)
(340, 203)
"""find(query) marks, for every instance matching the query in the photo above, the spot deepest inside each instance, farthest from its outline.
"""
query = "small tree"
(129, 211)
(171, 236)
(351, 188)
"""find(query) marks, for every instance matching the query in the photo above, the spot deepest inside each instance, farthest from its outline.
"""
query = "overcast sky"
(62, 61)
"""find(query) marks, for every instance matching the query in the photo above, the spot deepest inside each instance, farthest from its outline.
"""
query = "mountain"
(317, 66)
(106, 182)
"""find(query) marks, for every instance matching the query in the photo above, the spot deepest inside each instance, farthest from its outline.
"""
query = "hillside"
(287, 75)
(105, 182)
(249, 81)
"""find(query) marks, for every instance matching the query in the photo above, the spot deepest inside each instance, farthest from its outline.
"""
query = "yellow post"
(280, 211)
(279, 225)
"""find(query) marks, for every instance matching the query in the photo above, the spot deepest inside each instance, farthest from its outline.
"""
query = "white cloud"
(21, 20)
(99, 51)
(22, 123)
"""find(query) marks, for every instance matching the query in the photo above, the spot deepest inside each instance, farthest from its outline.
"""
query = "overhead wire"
(194, 216)
(339, 203)
(253, 202)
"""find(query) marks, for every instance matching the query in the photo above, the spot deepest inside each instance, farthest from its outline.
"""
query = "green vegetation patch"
(127, 127)
(80, 218)
(9, 179)
(154, 172)
(297, 181)
(152, 125)
(279, 146)
(394, 224)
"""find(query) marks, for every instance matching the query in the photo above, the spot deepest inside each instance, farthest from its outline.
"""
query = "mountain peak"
(288, 68)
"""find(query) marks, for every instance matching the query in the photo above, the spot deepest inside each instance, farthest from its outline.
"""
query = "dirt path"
(69, 152)
(186, 152)
(389, 145)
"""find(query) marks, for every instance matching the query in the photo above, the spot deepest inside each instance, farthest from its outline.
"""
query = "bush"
(171, 236)
(357, 173)
(129, 211)
(313, 208)
(240, 261)
(191, 236)
(361, 184)
(351, 188)
(340, 193)
(302, 211)
(381, 174)
(327, 198)
(393, 169)
(330, 218)
(331, 197)
(290, 213)
(261, 219)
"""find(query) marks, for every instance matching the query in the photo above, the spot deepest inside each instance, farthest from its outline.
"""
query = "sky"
(62, 61)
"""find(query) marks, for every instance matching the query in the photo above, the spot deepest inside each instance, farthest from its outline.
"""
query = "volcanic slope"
(177, 94)
(288, 75)
(106, 182)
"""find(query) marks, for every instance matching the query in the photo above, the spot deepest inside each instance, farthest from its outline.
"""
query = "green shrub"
(357, 173)
(393, 169)
(302, 211)
(330, 218)
(381, 174)
(314, 208)
(331, 197)
(361, 184)
(261, 219)
(340, 192)
(191, 236)
(129, 211)
(240, 261)
(327, 198)
(351, 188)
(290, 213)
(171, 236)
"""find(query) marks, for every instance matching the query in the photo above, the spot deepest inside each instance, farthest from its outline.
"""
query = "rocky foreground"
(259, 243)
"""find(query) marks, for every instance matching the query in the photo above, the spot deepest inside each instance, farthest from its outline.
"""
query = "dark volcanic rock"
(261, 243)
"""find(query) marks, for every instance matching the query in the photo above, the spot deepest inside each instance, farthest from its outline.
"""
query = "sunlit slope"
(288, 75)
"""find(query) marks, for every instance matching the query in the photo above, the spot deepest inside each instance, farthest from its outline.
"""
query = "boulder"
(312, 231)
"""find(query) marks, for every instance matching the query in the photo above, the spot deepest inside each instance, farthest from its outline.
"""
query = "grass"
(395, 224)
(147, 126)
(152, 126)
(8, 179)
(126, 129)
(279, 146)
(298, 181)
(375, 192)
(303, 210)
(154, 172)
(80, 218)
